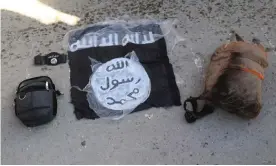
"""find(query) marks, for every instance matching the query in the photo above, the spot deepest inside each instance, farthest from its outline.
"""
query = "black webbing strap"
(192, 116)
(51, 59)
(37, 81)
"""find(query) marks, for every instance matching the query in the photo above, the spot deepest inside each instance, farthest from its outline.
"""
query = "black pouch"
(36, 102)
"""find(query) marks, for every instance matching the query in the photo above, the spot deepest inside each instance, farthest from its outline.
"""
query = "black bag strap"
(37, 81)
(192, 116)
(52, 59)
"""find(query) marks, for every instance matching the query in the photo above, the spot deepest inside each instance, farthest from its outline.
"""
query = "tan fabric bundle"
(233, 81)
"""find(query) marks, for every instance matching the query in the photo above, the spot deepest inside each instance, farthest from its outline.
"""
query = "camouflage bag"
(233, 81)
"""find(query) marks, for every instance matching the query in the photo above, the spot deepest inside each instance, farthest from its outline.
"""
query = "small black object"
(192, 116)
(51, 59)
(256, 41)
(207, 109)
(83, 143)
(35, 101)
(238, 37)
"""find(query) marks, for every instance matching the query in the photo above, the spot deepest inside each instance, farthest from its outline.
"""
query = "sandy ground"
(165, 138)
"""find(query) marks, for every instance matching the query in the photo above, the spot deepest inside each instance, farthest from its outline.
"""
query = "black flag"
(109, 43)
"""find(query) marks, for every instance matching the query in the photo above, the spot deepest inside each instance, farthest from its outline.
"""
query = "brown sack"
(233, 80)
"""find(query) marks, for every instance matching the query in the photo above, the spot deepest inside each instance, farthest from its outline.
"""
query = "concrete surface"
(165, 138)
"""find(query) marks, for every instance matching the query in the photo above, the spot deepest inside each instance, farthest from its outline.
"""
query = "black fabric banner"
(152, 56)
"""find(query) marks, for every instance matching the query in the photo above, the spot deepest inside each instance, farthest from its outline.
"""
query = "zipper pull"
(47, 85)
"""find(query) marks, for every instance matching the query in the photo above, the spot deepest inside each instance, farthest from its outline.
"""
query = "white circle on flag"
(121, 84)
